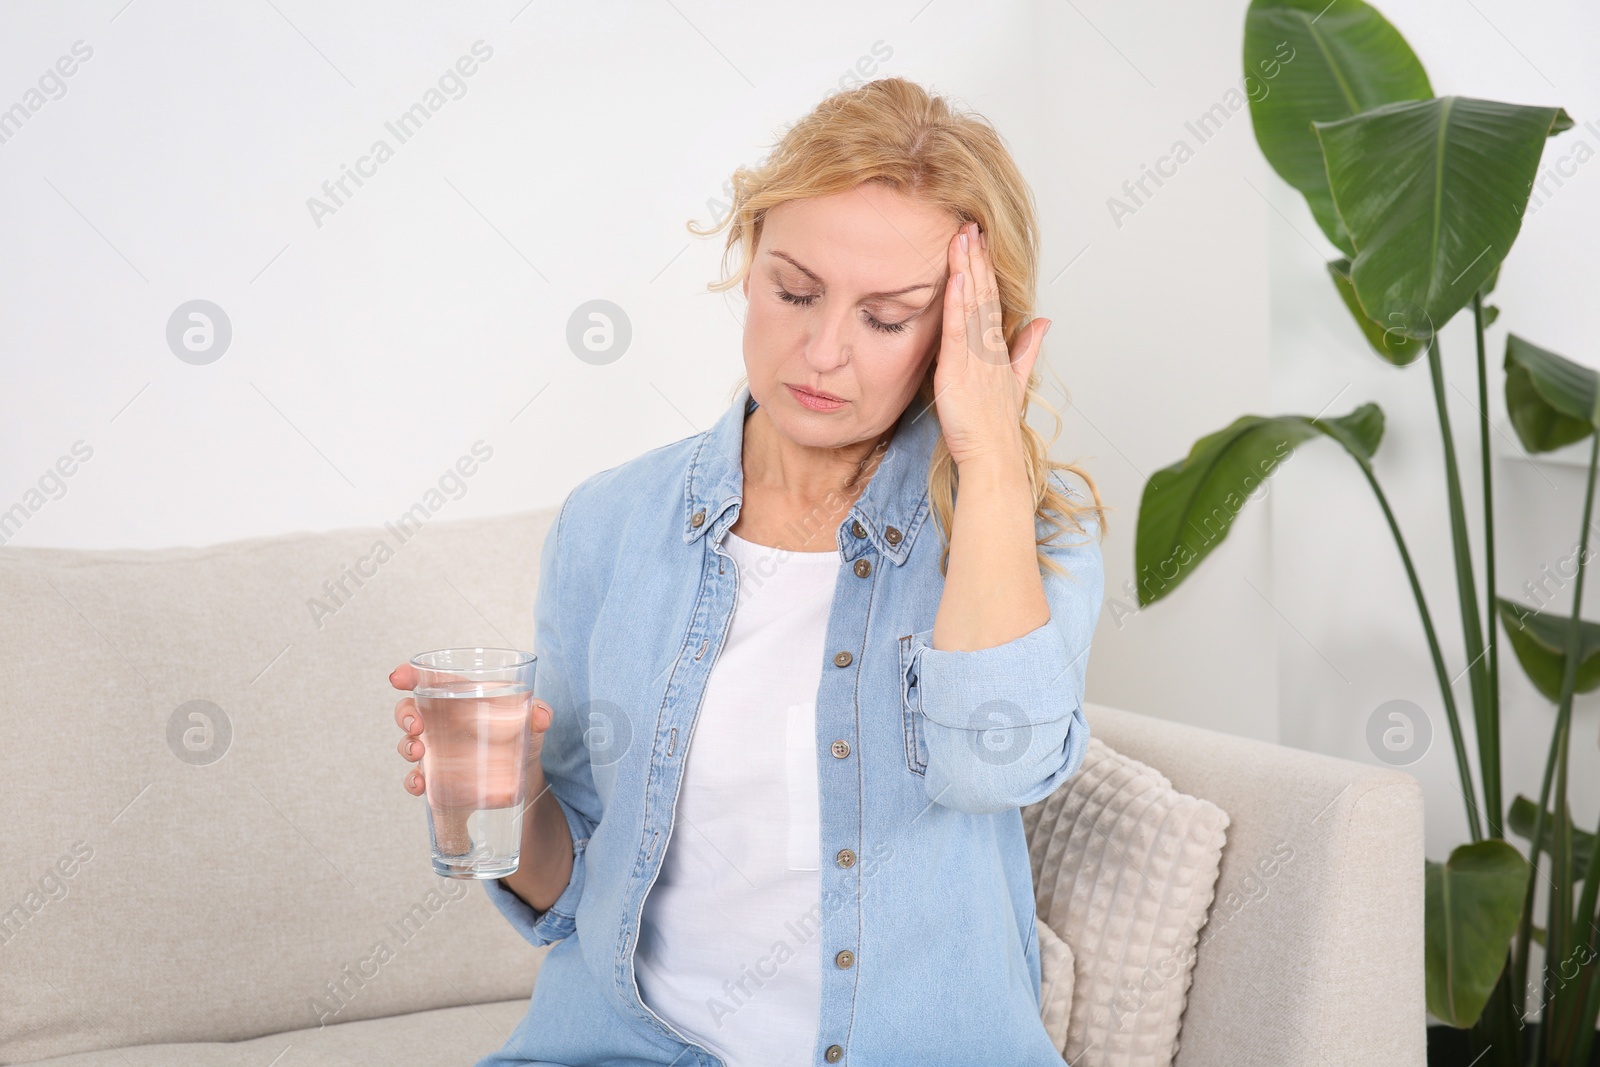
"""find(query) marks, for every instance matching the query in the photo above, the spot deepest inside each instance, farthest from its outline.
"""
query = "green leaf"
(1188, 508)
(1307, 61)
(1432, 192)
(1552, 400)
(1360, 432)
(1393, 345)
(1540, 642)
(1521, 819)
(1474, 901)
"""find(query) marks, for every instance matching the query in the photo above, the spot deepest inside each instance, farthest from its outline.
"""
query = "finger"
(1028, 353)
(540, 716)
(972, 324)
(986, 291)
(403, 676)
(410, 747)
(953, 343)
(406, 715)
(414, 784)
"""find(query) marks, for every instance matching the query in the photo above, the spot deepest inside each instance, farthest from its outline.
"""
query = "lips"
(821, 396)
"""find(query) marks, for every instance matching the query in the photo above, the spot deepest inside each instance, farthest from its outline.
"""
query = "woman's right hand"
(409, 718)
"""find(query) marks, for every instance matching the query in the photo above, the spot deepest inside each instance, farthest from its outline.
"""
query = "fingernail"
(411, 747)
(1047, 326)
(410, 723)
(963, 240)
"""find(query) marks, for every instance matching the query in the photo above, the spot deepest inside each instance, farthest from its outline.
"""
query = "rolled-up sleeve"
(1004, 726)
(564, 757)
(558, 921)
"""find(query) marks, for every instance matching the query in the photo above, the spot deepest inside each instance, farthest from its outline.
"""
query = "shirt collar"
(890, 511)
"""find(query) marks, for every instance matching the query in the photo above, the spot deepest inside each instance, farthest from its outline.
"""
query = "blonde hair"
(893, 131)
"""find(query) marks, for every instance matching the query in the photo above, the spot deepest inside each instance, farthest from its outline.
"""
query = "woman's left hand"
(979, 384)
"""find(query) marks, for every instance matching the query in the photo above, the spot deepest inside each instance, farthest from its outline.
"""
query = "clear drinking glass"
(475, 704)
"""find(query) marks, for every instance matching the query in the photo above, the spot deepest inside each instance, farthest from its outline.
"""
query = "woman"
(784, 727)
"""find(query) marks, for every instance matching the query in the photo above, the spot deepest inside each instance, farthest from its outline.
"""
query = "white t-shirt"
(728, 949)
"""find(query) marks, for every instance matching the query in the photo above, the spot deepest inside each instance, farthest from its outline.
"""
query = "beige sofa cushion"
(1125, 868)
(1055, 985)
(186, 871)
(436, 1038)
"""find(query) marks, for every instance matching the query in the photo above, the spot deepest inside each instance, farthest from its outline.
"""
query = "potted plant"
(1423, 197)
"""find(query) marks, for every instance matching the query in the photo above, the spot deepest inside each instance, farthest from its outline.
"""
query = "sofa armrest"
(1313, 951)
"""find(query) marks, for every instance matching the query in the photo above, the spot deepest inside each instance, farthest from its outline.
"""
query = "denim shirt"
(926, 923)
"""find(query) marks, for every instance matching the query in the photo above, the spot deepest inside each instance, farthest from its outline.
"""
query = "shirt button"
(891, 535)
(846, 858)
(863, 568)
(834, 1054)
(698, 519)
(842, 659)
(845, 958)
(860, 531)
(840, 748)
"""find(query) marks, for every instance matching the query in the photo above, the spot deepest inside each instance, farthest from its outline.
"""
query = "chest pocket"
(911, 714)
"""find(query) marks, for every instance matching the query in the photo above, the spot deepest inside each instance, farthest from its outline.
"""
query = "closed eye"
(807, 301)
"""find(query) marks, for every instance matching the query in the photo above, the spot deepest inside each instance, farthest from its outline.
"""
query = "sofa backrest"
(202, 818)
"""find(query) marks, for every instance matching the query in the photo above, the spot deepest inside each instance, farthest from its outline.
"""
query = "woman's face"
(846, 297)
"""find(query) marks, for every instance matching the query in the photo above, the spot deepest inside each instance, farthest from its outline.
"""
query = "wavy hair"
(894, 131)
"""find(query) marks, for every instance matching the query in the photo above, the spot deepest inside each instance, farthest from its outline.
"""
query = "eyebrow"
(870, 296)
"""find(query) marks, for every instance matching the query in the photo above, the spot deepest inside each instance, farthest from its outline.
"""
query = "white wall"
(374, 345)
(1166, 319)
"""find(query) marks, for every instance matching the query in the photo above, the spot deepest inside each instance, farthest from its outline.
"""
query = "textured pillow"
(1124, 871)
(1055, 985)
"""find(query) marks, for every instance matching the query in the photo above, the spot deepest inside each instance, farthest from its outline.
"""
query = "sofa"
(210, 858)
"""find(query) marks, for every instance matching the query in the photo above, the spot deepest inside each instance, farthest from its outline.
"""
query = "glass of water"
(475, 704)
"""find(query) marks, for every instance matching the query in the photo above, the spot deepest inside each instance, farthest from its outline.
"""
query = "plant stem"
(1466, 588)
(1558, 912)
(1587, 996)
(1491, 771)
(1525, 926)
(1559, 920)
(1468, 790)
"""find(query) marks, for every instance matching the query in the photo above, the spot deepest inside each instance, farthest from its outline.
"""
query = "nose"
(829, 347)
